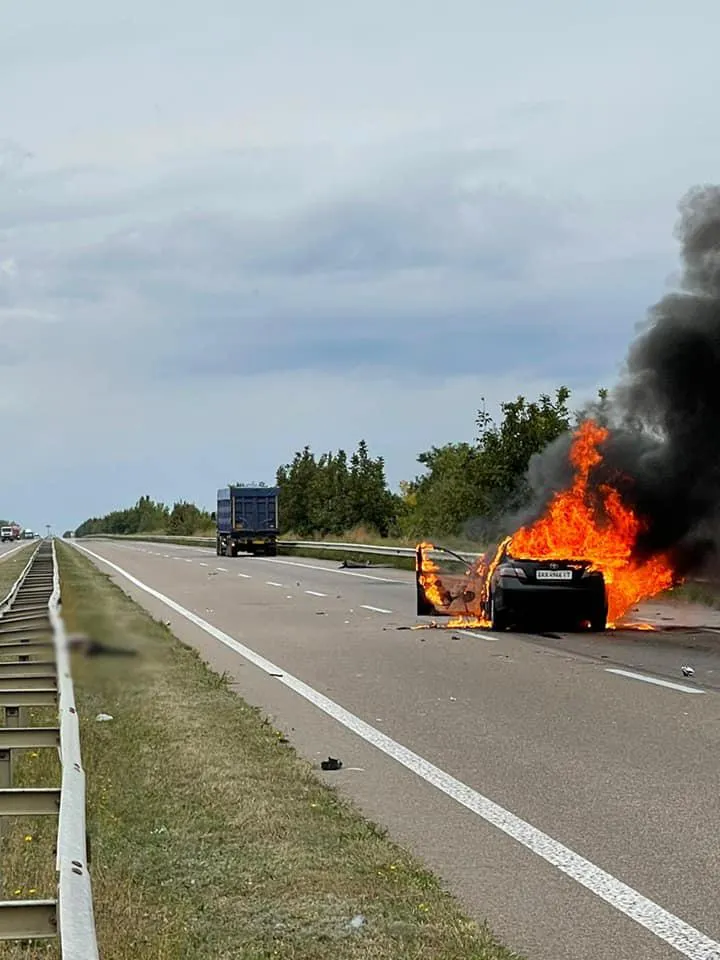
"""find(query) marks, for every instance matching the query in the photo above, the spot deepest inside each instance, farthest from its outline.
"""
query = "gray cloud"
(325, 218)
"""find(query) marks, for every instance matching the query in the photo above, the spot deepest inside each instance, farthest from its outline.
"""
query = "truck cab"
(6, 533)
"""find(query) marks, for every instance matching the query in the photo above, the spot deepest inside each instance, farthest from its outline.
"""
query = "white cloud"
(260, 226)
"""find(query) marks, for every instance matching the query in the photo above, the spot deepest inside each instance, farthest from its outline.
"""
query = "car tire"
(498, 618)
(598, 621)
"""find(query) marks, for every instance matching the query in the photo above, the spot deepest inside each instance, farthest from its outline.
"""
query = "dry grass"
(211, 838)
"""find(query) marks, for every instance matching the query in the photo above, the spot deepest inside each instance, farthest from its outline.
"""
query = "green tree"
(295, 486)
(526, 428)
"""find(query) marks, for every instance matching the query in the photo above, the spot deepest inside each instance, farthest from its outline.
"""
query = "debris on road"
(332, 763)
(357, 922)
(320, 613)
(688, 671)
(103, 716)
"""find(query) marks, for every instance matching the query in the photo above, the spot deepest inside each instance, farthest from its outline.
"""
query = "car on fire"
(508, 591)
(525, 591)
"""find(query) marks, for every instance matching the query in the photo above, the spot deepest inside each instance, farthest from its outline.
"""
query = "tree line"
(332, 493)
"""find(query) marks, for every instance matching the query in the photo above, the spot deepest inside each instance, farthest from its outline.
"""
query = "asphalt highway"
(573, 807)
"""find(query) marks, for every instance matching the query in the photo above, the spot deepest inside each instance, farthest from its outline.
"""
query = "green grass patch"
(211, 838)
(11, 568)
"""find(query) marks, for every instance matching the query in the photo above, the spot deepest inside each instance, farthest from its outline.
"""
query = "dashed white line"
(366, 606)
(315, 593)
(655, 680)
(202, 564)
(222, 569)
(272, 583)
(245, 576)
(687, 940)
(345, 573)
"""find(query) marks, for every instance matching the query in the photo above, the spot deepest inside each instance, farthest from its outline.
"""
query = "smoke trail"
(663, 453)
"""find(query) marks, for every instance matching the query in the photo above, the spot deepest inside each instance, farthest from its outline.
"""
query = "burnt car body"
(556, 592)
(519, 592)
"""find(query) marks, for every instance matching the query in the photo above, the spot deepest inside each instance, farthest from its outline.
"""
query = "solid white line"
(366, 606)
(271, 583)
(4, 556)
(315, 593)
(660, 683)
(687, 940)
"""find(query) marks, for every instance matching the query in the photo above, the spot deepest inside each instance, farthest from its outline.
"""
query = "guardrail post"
(5, 769)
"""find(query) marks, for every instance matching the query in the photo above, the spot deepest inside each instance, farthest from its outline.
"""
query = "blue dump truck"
(247, 521)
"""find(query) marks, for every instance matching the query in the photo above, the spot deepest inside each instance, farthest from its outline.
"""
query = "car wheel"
(598, 622)
(498, 618)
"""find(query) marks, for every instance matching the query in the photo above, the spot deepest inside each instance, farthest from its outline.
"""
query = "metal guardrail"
(28, 678)
(330, 545)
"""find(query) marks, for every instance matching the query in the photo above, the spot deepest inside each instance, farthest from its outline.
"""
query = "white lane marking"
(203, 564)
(178, 558)
(306, 566)
(315, 593)
(656, 680)
(9, 553)
(477, 635)
(222, 569)
(166, 556)
(367, 606)
(182, 558)
(272, 583)
(347, 573)
(245, 576)
(687, 940)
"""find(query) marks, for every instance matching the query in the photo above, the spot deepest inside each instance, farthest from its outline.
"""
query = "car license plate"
(553, 574)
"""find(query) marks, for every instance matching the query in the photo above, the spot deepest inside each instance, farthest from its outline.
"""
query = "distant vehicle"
(526, 591)
(6, 533)
(28, 534)
(247, 520)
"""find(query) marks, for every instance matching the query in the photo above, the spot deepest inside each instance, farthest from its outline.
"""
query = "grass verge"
(11, 568)
(694, 592)
(211, 838)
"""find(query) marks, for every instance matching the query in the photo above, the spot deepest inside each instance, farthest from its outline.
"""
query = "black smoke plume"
(663, 453)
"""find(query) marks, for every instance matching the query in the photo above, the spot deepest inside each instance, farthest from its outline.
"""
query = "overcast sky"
(229, 229)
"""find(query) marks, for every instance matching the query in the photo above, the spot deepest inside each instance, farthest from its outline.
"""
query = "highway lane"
(622, 772)
(391, 591)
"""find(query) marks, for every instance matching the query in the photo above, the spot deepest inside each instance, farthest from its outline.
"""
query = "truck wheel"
(230, 548)
(270, 550)
(217, 547)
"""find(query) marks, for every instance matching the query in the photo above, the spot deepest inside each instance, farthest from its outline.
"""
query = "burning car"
(502, 591)
(523, 590)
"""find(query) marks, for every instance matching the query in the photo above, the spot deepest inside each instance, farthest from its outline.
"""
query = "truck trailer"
(247, 521)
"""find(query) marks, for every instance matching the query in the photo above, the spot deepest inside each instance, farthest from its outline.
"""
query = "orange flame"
(586, 524)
